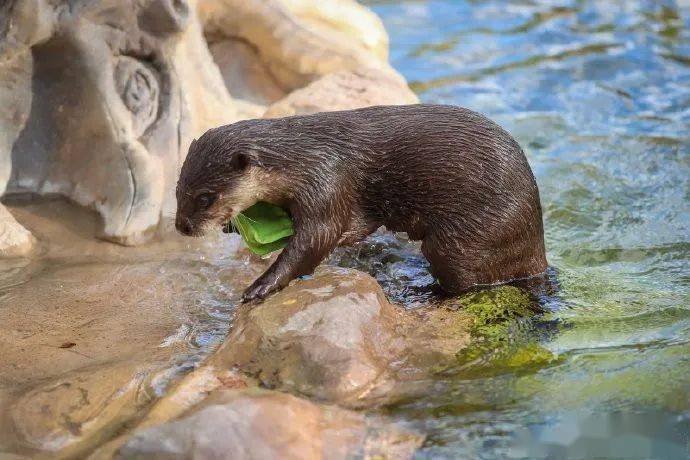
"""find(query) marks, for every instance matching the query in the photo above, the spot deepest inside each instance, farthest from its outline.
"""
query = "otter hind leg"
(455, 269)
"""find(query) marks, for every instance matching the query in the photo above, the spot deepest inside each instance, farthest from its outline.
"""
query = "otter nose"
(184, 225)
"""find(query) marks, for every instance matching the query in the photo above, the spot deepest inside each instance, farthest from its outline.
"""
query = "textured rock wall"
(101, 99)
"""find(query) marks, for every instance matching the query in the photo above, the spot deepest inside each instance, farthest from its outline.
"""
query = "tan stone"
(348, 17)
(295, 52)
(345, 90)
(247, 424)
(103, 98)
(92, 332)
(15, 240)
(336, 338)
(245, 75)
(331, 338)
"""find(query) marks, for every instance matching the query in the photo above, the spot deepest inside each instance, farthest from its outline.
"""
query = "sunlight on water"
(598, 95)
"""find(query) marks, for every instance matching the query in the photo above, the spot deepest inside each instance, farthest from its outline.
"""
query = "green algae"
(493, 309)
(496, 336)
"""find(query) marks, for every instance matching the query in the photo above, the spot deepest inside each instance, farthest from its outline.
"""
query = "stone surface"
(15, 240)
(248, 424)
(102, 98)
(246, 77)
(342, 90)
(92, 332)
(332, 338)
(295, 51)
(336, 338)
(105, 122)
(349, 18)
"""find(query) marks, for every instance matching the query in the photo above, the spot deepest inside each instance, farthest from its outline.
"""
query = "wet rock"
(501, 328)
(93, 332)
(344, 90)
(264, 424)
(332, 338)
(81, 405)
(77, 364)
(336, 338)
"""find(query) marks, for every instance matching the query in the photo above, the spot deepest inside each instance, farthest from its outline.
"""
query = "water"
(598, 95)
(80, 312)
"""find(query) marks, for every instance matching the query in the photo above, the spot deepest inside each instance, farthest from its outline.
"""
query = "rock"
(247, 424)
(102, 99)
(245, 75)
(331, 338)
(93, 332)
(344, 90)
(15, 240)
(348, 17)
(105, 122)
(295, 52)
(82, 406)
(336, 338)
(15, 98)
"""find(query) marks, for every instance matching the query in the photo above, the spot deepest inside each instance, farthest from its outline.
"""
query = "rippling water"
(598, 95)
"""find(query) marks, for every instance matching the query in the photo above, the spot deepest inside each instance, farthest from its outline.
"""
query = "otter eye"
(205, 200)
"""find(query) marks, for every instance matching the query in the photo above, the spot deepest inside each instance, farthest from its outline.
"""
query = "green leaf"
(264, 227)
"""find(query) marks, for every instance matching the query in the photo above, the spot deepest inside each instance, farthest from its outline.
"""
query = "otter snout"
(184, 225)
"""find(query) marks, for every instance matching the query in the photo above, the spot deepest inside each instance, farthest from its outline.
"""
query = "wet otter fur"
(446, 175)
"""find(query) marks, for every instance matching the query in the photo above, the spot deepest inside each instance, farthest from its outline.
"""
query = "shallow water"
(84, 313)
(598, 95)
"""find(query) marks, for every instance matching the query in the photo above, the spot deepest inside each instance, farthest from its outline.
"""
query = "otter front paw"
(258, 291)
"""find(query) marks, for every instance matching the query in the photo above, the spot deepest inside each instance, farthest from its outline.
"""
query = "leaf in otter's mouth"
(264, 227)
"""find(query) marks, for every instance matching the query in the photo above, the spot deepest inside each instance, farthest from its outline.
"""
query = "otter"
(445, 175)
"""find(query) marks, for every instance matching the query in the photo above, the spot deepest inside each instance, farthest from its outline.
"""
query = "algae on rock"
(496, 316)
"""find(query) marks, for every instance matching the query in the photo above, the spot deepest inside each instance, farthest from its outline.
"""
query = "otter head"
(220, 177)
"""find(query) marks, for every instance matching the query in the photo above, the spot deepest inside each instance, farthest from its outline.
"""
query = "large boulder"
(102, 99)
(112, 106)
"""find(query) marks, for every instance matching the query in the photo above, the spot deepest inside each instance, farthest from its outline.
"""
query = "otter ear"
(241, 160)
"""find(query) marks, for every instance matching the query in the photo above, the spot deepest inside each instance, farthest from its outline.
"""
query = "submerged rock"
(247, 424)
(500, 328)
